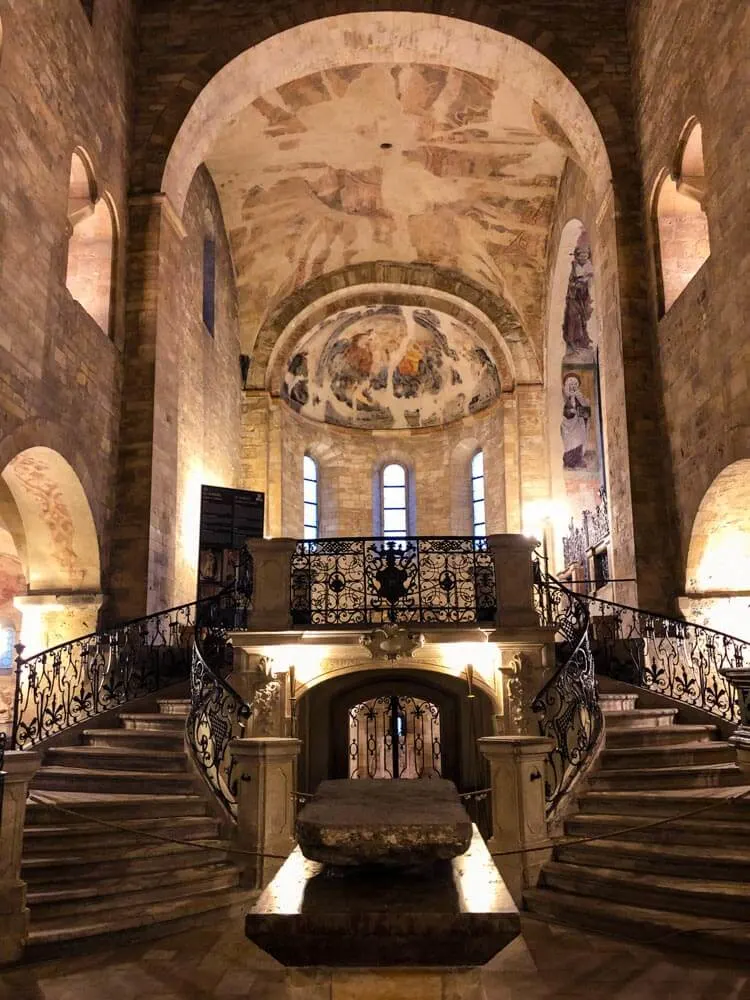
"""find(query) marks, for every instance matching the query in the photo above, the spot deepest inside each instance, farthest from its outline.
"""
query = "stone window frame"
(310, 531)
(379, 499)
(474, 479)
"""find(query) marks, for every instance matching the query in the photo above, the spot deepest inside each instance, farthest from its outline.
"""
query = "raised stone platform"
(453, 913)
(382, 822)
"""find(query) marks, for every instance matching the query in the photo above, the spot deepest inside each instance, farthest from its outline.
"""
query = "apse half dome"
(390, 367)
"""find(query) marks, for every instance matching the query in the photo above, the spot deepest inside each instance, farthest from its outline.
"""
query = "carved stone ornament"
(391, 642)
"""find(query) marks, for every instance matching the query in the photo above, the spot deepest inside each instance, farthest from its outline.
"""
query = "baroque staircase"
(681, 883)
(119, 835)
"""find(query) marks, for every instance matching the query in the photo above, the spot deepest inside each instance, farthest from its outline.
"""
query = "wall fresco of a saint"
(389, 367)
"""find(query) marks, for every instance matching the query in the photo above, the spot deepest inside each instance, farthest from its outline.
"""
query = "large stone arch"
(309, 29)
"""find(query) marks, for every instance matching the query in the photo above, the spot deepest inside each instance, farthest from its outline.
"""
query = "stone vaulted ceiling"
(389, 162)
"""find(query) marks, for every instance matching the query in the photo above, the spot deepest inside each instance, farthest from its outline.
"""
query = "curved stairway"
(86, 878)
(681, 884)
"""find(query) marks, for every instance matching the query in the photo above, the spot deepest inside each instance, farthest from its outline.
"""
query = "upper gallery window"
(478, 516)
(395, 506)
(310, 496)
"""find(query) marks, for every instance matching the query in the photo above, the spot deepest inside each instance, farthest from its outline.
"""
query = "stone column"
(19, 769)
(272, 559)
(265, 771)
(519, 822)
(514, 581)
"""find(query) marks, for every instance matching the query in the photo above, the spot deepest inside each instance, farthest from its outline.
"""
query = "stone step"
(168, 916)
(112, 807)
(724, 803)
(717, 863)
(51, 869)
(124, 782)
(669, 756)
(79, 836)
(76, 902)
(617, 736)
(722, 900)
(699, 831)
(651, 927)
(151, 721)
(617, 702)
(641, 718)
(117, 758)
(142, 739)
(174, 706)
(686, 776)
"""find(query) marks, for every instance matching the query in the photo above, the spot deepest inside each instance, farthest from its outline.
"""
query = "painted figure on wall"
(576, 417)
(579, 307)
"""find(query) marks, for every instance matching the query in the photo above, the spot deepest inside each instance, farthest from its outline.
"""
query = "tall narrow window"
(310, 496)
(209, 284)
(478, 516)
(88, 6)
(394, 502)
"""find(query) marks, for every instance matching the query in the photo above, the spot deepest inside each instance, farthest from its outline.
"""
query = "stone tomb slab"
(453, 913)
(384, 822)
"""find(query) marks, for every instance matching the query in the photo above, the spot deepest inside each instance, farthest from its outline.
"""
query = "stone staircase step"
(640, 718)
(617, 702)
(659, 928)
(167, 916)
(108, 895)
(117, 758)
(124, 782)
(716, 863)
(163, 722)
(618, 736)
(49, 869)
(676, 755)
(78, 836)
(724, 802)
(686, 776)
(144, 739)
(722, 900)
(698, 831)
(174, 706)
(112, 807)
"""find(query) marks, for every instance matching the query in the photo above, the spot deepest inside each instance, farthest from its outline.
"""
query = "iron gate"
(394, 736)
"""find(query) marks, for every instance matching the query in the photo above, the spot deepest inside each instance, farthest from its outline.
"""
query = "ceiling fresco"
(390, 366)
(389, 162)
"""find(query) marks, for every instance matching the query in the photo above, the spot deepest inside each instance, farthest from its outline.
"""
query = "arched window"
(394, 502)
(310, 496)
(209, 284)
(681, 222)
(91, 244)
(478, 516)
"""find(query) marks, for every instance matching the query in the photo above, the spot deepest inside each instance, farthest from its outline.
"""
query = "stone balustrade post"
(514, 581)
(740, 679)
(519, 823)
(19, 768)
(265, 772)
(272, 559)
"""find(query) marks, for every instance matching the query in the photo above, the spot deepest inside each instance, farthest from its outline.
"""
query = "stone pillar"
(514, 581)
(524, 670)
(49, 619)
(19, 769)
(271, 582)
(265, 771)
(517, 765)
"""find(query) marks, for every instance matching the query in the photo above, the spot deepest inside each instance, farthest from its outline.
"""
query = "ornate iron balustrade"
(672, 657)
(569, 702)
(78, 680)
(593, 531)
(372, 581)
(217, 715)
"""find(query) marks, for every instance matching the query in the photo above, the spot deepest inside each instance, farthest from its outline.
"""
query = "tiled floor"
(546, 963)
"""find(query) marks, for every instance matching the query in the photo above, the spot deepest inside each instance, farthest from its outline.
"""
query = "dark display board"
(228, 519)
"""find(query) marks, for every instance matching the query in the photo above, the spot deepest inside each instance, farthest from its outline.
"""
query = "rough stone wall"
(63, 83)
(691, 60)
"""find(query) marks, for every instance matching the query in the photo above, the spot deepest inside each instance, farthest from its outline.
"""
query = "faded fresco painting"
(579, 423)
(390, 366)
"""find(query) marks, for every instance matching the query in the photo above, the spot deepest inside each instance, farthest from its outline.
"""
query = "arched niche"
(719, 553)
(91, 244)
(681, 223)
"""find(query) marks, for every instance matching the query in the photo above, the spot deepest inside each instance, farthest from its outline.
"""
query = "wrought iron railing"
(568, 704)
(372, 581)
(217, 715)
(594, 530)
(670, 656)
